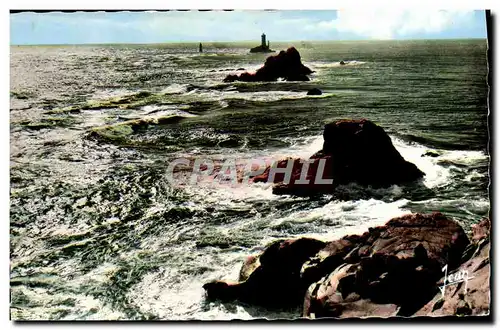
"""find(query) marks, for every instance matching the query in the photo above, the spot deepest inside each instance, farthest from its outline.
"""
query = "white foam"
(347, 217)
(320, 65)
(436, 175)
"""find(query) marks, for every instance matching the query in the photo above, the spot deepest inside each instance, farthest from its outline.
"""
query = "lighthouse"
(263, 48)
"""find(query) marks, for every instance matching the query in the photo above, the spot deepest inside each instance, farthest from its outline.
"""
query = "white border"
(197, 4)
(241, 4)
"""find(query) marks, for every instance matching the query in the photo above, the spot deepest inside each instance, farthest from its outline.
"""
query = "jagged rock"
(353, 151)
(475, 267)
(395, 266)
(287, 65)
(333, 255)
(481, 230)
(276, 281)
(457, 301)
(250, 264)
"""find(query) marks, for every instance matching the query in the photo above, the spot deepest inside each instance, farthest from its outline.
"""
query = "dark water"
(97, 232)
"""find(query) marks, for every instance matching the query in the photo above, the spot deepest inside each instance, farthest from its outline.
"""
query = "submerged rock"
(286, 65)
(130, 101)
(389, 270)
(353, 151)
(314, 91)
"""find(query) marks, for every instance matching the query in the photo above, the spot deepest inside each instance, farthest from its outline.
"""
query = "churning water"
(98, 233)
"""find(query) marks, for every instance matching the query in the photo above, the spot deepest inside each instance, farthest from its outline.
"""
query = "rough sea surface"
(96, 230)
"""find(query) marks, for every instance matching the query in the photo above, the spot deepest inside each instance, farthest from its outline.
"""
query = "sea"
(97, 232)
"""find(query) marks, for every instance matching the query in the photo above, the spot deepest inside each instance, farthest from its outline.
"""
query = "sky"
(279, 25)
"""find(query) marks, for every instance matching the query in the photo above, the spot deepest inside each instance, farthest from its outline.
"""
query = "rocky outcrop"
(353, 151)
(389, 270)
(430, 154)
(392, 269)
(314, 91)
(287, 65)
(275, 280)
(261, 49)
(472, 296)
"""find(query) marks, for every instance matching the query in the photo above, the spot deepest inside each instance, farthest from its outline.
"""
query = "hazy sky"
(282, 25)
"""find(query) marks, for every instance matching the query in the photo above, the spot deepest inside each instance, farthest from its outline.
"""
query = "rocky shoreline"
(354, 151)
(286, 65)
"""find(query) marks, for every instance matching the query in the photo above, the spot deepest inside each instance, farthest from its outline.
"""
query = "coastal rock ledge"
(392, 270)
(286, 65)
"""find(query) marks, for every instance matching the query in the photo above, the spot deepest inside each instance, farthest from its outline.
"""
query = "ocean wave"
(176, 89)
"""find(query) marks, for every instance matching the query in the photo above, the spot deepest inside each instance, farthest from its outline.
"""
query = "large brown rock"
(392, 268)
(287, 65)
(353, 151)
(363, 153)
(274, 279)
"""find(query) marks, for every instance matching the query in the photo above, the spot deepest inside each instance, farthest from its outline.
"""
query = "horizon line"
(248, 41)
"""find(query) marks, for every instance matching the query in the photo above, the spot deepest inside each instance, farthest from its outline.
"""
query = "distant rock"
(314, 91)
(286, 65)
(390, 270)
(263, 47)
(353, 151)
(342, 63)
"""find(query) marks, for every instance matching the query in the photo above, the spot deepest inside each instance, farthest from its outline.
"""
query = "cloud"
(281, 25)
(388, 23)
